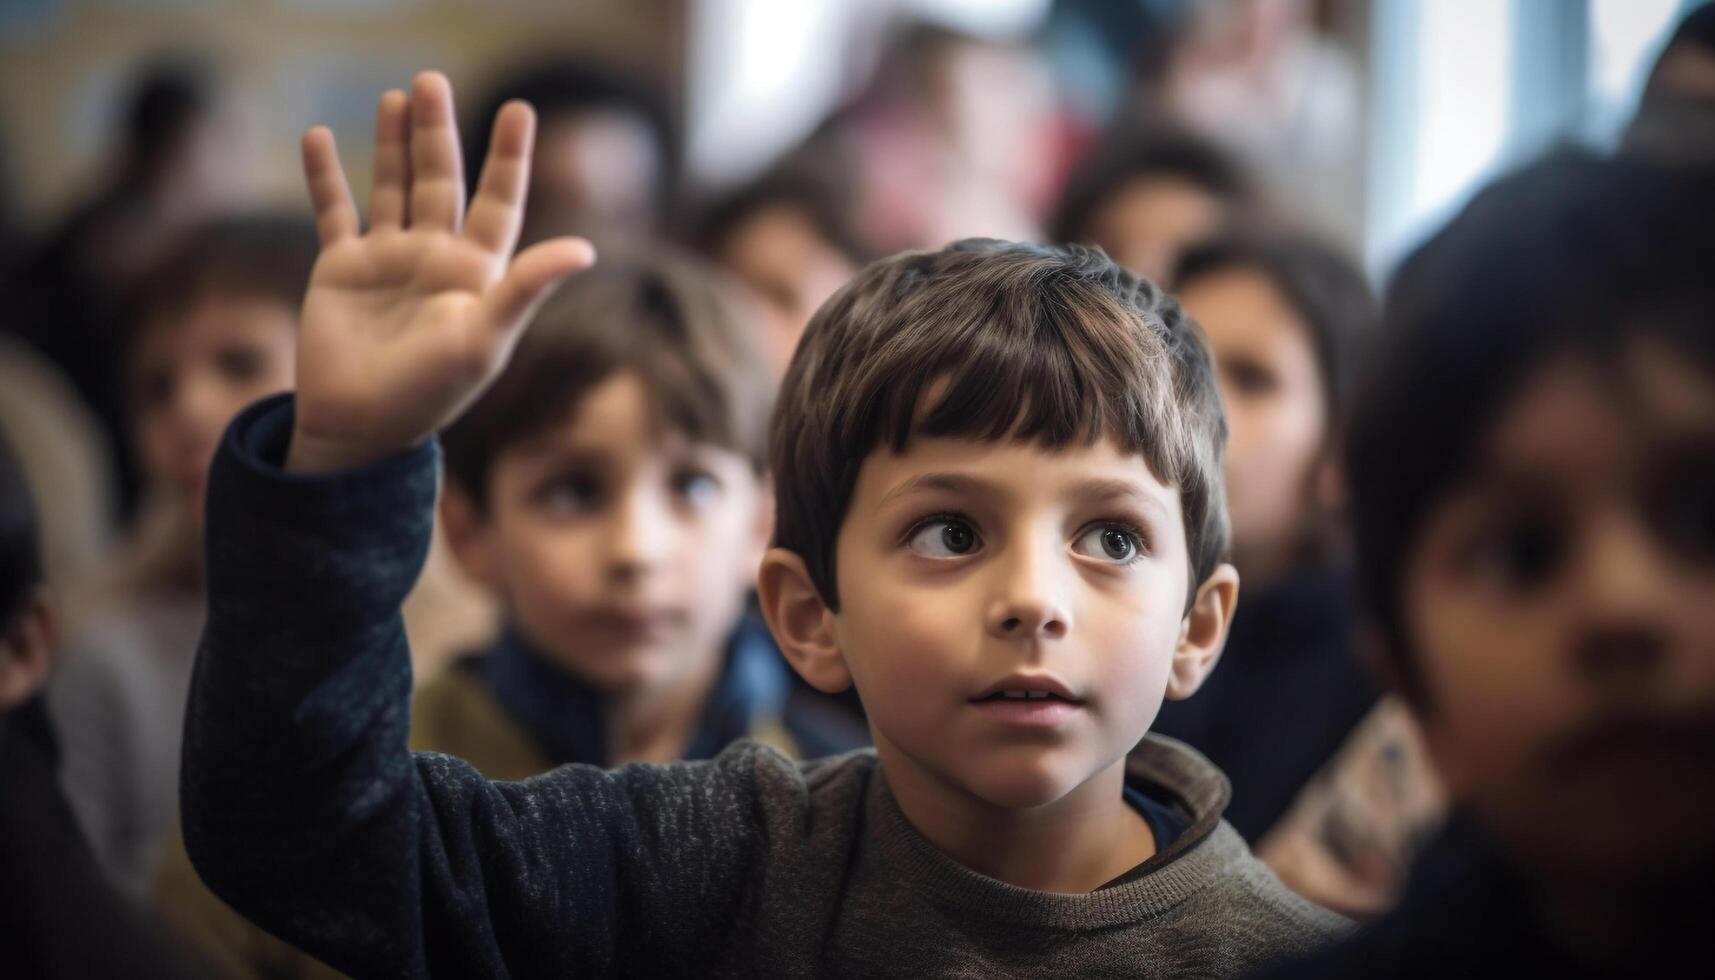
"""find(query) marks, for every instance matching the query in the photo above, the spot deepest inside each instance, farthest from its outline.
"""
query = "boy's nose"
(1029, 601)
(639, 537)
(1622, 590)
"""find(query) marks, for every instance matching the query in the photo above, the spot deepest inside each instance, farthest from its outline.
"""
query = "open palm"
(405, 325)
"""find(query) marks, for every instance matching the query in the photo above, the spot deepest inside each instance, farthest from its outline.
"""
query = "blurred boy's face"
(1150, 221)
(778, 253)
(191, 372)
(1277, 419)
(969, 569)
(623, 552)
(595, 174)
(1559, 600)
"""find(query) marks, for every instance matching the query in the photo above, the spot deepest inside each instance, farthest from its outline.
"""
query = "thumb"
(531, 277)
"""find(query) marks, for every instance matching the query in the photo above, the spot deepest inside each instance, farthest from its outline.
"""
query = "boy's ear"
(802, 624)
(26, 652)
(1203, 632)
(764, 528)
(468, 534)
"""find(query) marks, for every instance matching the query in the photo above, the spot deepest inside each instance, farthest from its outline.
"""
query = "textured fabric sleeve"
(304, 809)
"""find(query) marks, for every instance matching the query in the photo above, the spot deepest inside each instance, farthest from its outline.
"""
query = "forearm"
(300, 798)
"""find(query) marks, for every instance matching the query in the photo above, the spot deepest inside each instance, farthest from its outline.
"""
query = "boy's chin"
(1024, 785)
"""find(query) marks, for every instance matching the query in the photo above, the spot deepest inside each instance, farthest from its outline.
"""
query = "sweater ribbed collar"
(1196, 859)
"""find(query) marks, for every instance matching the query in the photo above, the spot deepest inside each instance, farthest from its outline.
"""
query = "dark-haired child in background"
(1532, 472)
(789, 239)
(1328, 784)
(61, 918)
(1145, 196)
(213, 330)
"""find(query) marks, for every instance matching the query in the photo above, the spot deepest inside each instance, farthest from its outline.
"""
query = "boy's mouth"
(1028, 701)
(1026, 696)
(1028, 687)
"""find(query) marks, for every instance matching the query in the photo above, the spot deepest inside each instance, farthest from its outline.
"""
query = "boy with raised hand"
(999, 515)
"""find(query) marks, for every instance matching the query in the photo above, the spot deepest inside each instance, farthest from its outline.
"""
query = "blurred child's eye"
(697, 487)
(943, 537)
(240, 364)
(1518, 553)
(155, 388)
(569, 493)
(1247, 377)
(1114, 543)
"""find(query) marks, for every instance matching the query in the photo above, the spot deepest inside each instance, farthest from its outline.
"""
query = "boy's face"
(1277, 419)
(624, 553)
(1151, 220)
(192, 372)
(1561, 604)
(967, 569)
(780, 256)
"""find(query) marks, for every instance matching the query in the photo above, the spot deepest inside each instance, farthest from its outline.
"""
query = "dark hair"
(166, 97)
(1056, 345)
(1325, 288)
(1133, 151)
(821, 200)
(673, 322)
(258, 256)
(1573, 253)
(567, 87)
(1696, 29)
(20, 551)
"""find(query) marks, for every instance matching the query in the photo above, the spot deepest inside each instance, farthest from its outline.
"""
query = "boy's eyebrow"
(1109, 488)
(947, 482)
(1096, 489)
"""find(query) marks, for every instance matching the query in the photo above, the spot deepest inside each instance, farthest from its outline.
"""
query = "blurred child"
(1145, 196)
(59, 915)
(788, 238)
(607, 155)
(1675, 122)
(609, 488)
(1532, 468)
(999, 515)
(214, 330)
(176, 162)
(1285, 317)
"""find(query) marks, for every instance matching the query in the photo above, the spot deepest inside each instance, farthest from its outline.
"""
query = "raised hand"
(404, 326)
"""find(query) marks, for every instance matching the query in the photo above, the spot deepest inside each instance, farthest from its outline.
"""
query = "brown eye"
(943, 537)
(240, 364)
(1113, 543)
(1248, 377)
(569, 493)
(1519, 552)
(155, 388)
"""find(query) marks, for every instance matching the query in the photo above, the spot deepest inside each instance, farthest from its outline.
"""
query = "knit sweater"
(304, 808)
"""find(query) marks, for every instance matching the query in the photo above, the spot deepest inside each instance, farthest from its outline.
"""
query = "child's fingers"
(531, 277)
(437, 178)
(497, 212)
(336, 215)
(392, 161)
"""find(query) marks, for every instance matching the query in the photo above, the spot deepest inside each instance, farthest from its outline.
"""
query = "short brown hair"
(1056, 345)
(252, 256)
(673, 322)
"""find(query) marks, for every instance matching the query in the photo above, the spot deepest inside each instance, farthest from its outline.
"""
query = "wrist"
(309, 453)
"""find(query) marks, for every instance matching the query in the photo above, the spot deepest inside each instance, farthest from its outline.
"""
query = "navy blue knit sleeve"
(304, 809)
